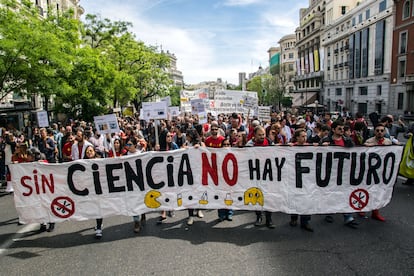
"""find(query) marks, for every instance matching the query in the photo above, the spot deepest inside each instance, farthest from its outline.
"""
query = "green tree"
(35, 54)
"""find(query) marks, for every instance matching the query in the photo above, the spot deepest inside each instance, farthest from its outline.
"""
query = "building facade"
(358, 49)
(288, 55)
(402, 67)
(309, 79)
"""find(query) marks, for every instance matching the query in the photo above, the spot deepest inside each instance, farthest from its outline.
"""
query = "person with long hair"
(165, 144)
(90, 153)
(133, 148)
(193, 140)
(118, 149)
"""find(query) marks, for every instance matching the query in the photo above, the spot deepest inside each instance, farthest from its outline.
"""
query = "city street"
(210, 247)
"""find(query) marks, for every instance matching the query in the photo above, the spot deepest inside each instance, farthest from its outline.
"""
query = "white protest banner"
(187, 95)
(250, 102)
(293, 180)
(155, 110)
(197, 106)
(167, 100)
(173, 111)
(106, 123)
(263, 113)
(202, 117)
(42, 119)
(228, 101)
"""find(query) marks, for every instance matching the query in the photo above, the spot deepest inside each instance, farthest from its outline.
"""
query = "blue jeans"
(224, 213)
(137, 218)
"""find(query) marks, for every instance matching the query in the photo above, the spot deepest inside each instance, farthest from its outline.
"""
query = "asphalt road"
(210, 247)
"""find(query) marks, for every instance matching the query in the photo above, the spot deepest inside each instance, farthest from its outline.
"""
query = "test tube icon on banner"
(228, 200)
(179, 199)
(204, 199)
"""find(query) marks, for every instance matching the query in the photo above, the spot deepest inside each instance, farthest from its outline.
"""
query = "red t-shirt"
(340, 142)
(214, 142)
(67, 149)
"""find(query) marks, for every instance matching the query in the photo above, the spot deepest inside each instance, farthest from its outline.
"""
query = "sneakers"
(329, 219)
(230, 218)
(161, 220)
(352, 224)
(43, 227)
(259, 221)
(98, 233)
(190, 221)
(307, 227)
(171, 214)
(137, 227)
(200, 214)
(376, 215)
(51, 227)
(269, 224)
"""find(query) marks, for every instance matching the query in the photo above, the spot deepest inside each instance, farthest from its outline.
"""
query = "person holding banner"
(260, 140)
(193, 140)
(378, 139)
(117, 149)
(90, 153)
(299, 139)
(165, 144)
(337, 138)
(133, 148)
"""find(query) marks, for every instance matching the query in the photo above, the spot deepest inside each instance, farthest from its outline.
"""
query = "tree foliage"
(86, 68)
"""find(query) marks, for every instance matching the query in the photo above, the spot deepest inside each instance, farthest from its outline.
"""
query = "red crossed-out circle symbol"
(359, 199)
(63, 207)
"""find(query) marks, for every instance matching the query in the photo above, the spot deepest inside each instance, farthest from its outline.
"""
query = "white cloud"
(211, 50)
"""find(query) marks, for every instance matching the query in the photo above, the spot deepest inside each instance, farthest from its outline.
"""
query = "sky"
(211, 39)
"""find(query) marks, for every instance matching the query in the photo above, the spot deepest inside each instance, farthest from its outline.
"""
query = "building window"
(353, 21)
(403, 43)
(363, 91)
(379, 90)
(406, 10)
(400, 101)
(328, 92)
(338, 92)
(360, 18)
(401, 68)
(382, 5)
(379, 48)
(343, 10)
(363, 108)
(367, 14)
(291, 67)
(291, 56)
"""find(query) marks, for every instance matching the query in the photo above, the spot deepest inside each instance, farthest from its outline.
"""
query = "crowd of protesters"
(81, 140)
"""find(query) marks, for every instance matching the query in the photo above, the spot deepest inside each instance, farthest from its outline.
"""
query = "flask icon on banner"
(179, 199)
(228, 200)
(204, 199)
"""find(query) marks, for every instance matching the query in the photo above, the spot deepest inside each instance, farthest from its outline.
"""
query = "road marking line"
(18, 236)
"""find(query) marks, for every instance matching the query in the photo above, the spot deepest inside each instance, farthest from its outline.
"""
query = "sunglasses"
(129, 144)
(380, 130)
(226, 144)
(214, 129)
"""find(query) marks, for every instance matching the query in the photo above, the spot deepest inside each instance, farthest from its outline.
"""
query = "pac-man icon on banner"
(150, 199)
(254, 196)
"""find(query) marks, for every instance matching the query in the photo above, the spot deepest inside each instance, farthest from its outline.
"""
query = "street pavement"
(210, 247)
